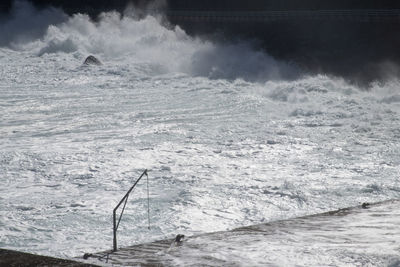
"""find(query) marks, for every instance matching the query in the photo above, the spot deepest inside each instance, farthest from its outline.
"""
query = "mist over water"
(25, 23)
(230, 135)
(130, 41)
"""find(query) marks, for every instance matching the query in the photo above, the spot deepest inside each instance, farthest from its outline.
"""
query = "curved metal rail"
(125, 200)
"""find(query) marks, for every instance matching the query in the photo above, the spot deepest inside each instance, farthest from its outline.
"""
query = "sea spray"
(25, 23)
(142, 41)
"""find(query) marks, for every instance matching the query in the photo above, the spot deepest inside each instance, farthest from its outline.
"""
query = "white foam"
(221, 152)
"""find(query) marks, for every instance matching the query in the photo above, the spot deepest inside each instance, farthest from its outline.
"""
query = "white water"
(230, 136)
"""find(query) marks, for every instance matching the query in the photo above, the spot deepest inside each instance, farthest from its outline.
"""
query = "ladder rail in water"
(125, 199)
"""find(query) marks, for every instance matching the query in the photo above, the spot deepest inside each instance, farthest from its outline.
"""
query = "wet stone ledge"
(13, 258)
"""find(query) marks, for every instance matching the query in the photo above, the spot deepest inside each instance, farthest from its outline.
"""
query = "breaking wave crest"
(126, 39)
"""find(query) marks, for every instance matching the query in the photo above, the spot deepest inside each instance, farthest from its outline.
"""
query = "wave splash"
(125, 38)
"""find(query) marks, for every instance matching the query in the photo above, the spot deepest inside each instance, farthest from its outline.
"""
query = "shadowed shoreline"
(12, 258)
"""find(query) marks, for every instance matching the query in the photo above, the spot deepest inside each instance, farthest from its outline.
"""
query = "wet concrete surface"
(366, 235)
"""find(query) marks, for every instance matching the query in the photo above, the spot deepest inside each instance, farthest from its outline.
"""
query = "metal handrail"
(277, 15)
(125, 198)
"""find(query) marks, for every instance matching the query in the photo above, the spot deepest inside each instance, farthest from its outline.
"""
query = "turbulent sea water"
(230, 136)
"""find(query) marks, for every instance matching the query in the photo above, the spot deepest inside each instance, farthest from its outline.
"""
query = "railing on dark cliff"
(125, 199)
(360, 15)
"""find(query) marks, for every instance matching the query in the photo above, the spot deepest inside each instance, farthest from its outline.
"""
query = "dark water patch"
(313, 124)
(362, 129)
(77, 205)
(390, 99)
(372, 189)
(199, 89)
(24, 208)
(336, 124)
(305, 113)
